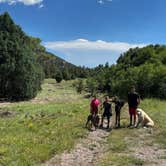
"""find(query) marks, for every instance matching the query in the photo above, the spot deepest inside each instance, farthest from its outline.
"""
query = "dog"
(94, 119)
(143, 119)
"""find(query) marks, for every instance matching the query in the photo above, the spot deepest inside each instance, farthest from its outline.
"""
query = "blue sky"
(90, 32)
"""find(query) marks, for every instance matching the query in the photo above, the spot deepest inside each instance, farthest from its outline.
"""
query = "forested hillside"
(143, 67)
(54, 65)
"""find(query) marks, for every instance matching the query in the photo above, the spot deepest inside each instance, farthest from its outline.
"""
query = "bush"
(79, 85)
(58, 77)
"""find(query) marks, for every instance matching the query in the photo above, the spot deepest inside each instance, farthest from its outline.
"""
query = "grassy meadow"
(54, 122)
(47, 125)
(123, 142)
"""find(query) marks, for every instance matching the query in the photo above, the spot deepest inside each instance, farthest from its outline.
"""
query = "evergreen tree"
(20, 74)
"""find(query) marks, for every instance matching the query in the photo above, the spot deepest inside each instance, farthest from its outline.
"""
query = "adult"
(133, 102)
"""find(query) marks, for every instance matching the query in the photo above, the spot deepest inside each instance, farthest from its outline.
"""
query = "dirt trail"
(86, 153)
(144, 148)
(4, 104)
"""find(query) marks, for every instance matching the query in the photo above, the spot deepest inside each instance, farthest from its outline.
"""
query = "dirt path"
(144, 148)
(4, 104)
(86, 153)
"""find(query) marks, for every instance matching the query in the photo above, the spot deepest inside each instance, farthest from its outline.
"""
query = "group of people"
(137, 115)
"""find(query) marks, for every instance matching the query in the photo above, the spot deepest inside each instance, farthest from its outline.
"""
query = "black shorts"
(107, 114)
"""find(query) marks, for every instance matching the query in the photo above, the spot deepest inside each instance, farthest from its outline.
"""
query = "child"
(118, 105)
(107, 111)
(93, 112)
(133, 102)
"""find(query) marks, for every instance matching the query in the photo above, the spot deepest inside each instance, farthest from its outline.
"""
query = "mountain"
(53, 64)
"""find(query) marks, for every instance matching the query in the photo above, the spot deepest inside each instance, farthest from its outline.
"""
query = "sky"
(90, 32)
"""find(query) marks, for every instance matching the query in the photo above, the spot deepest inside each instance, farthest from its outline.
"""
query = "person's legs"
(130, 113)
(130, 120)
(101, 125)
(118, 119)
(134, 114)
(97, 121)
(108, 120)
(134, 119)
(88, 119)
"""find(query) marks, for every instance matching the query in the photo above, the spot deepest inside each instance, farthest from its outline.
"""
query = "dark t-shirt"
(118, 105)
(107, 107)
(133, 99)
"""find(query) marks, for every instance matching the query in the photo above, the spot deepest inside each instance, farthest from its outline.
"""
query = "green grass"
(119, 149)
(118, 152)
(120, 160)
(53, 122)
(157, 111)
(40, 130)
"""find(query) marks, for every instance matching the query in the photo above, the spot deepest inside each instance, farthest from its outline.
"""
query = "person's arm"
(91, 109)
(128, 98)
(138, 99)
(110, 109)
(101, 106)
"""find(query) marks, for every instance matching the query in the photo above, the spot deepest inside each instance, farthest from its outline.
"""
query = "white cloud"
(25, 2)
(83, 44)
(90, 53)
(100, 1)
(103, 1)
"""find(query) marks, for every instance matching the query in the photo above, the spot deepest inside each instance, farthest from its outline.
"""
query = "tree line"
(24, 63)
(143, 67)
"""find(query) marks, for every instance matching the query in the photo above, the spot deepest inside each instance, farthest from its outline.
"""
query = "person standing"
(107, 111)
(133, 102)
(118, 105)
(94, 104)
